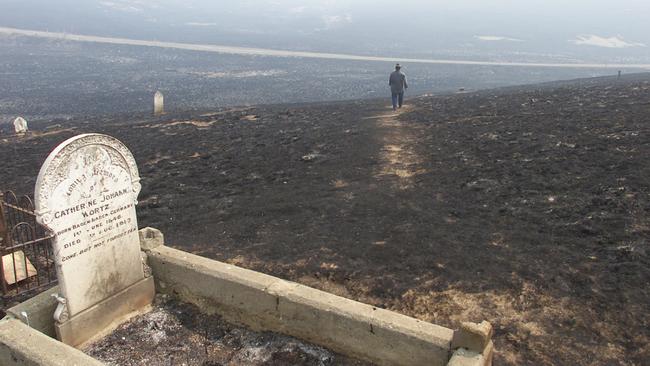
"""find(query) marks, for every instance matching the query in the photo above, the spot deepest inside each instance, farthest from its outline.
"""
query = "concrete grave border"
(262, 302)
(267, 303)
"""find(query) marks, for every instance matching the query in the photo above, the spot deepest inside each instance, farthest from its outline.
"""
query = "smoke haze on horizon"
(496, 30)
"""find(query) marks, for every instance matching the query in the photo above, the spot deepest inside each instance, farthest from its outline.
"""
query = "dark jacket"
(397, 82)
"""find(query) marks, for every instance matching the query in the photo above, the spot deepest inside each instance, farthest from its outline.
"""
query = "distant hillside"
(46, 79)
(499, 31)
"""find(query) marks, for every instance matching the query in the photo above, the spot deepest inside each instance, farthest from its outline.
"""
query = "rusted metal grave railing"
(27, 265)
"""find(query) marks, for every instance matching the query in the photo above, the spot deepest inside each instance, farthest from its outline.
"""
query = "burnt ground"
(528, 207)
(175, 333)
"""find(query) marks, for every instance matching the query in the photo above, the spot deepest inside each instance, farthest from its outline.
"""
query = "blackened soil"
(175, 333)
(528, 207)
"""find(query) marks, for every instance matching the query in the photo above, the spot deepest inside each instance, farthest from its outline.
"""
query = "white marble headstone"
(86, 194)
(158, 103)
(20, 125)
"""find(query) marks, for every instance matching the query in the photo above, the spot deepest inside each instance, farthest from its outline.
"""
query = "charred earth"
(526, 206)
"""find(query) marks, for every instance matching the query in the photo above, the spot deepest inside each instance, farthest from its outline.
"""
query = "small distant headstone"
(158, 103)
(86, 194)
(20, 126)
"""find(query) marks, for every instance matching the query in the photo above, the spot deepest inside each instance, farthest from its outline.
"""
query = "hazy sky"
(570, 29)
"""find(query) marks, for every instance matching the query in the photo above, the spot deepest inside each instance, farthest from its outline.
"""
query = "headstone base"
(106, 315)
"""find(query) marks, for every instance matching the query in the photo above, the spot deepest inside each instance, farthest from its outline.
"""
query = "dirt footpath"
(527, 207)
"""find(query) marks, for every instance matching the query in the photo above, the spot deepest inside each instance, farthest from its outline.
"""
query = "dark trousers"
(397, 98)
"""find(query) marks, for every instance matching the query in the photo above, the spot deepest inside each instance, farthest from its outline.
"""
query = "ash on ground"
(176, 333)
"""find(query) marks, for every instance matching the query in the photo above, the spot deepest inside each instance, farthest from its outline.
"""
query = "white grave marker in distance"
(86, 194)
(158, 103)
(20, 125)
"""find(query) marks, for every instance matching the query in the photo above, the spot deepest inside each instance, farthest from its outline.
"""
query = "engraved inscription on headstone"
(20, 125)
(158, 103)
(86, 194)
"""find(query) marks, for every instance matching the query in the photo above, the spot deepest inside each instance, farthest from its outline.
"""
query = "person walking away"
(397, 82)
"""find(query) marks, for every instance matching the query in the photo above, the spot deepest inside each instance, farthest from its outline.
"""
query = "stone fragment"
(472, 336)
(151, 238)
(17, 267)
(464, 357)
(20, 126)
